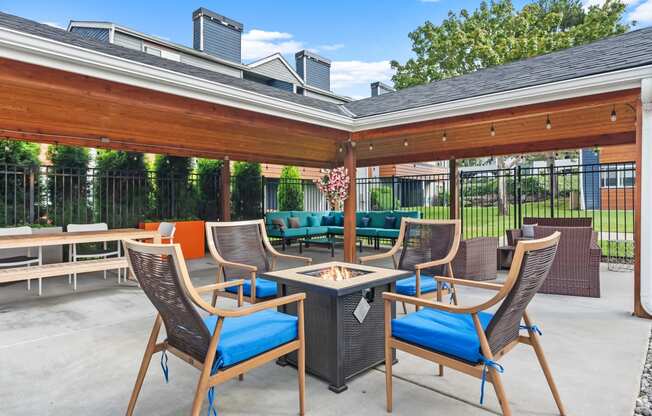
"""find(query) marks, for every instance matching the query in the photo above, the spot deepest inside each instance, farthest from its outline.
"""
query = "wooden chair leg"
(202, 390)
(534, 338)
(441, 370)
(144, 365)
(388, 356)
(500, 391)
(301, 361)
(404, 308)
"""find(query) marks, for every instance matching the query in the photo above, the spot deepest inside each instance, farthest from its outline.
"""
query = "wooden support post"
(453, 189)
(640, 270)
(225, 190)
(350, 204)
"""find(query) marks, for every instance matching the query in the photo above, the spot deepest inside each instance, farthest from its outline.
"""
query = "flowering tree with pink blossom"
(335, 186)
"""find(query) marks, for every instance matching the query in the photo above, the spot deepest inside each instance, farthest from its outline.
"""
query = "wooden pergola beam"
(350, 204)
(225, 190)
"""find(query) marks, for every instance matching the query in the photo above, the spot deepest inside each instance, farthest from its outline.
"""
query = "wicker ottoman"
(476, 259)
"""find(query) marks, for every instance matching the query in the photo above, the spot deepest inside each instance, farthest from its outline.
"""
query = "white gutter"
(50, 53)
(646, 196)
(46, 52)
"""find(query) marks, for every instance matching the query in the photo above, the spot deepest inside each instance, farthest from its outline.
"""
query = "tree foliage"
(290, 190)
(175, 197)
(14, 152)
(246, 198)
(68, 185)
(497, 33)
(208, 176)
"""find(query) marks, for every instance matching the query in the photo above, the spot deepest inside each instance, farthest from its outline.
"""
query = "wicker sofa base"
(476, 259)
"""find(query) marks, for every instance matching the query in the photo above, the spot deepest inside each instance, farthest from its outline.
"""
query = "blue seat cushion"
(365, 232)
(318, 230)
(336, 230)
(387, 233)
(452, 334)
(408, 286)
(245, 337)
(264, 288)
(294, 232)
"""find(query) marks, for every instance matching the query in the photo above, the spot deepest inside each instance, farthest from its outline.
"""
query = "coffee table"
(338, 345)
(330, 242)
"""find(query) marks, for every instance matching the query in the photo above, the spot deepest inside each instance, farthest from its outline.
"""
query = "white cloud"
(54, 24)
(352, 78)
(642, 13)
(330, 48)
(258, 44)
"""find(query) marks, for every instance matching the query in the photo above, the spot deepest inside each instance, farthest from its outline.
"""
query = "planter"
(51, 254)
(189, 234)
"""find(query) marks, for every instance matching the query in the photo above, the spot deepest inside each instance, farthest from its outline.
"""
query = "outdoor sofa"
(319, 223)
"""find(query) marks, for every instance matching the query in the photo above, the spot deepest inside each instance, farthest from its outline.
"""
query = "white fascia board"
(41, 51)
(590, 85)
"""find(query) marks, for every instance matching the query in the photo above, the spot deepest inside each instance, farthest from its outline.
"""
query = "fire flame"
(336, 273)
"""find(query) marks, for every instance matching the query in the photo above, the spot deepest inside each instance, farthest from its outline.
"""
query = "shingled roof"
(629, 50)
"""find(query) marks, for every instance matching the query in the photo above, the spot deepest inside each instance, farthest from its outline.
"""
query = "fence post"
(517, 202)
(263, 195)
(452, 189)
(393, 193)
(519, 196)
(551, 171)
(461, 193)
(31, 196)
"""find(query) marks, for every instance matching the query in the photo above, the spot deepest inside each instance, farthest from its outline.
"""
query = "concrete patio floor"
(78, 353)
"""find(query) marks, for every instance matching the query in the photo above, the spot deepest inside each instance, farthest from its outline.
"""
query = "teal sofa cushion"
(319, 230)
(336, 230)
(303, 217)
(294, 232)
(378, 218)
(274, 232)
(385, 233)
(284, 215)
(453, 334)
(314, 221)
(405, 214)
(366, 232)
(247, 336)
(264, 288)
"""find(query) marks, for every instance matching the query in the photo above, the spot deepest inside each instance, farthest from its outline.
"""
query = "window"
(152, 51)
(618, 177)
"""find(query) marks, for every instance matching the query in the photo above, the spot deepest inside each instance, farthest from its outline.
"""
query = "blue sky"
(359, 36)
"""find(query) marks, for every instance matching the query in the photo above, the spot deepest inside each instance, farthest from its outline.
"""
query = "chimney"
(380, 88)
(217, 35)
(315, 70)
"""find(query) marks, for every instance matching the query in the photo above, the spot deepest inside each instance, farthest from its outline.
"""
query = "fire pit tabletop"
(363, 276)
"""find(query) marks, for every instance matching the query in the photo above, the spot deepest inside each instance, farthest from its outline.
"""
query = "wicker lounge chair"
(513, 236)
(476, 258)
(223, 345)
(242, 250)
(576, 269)
(426, 247)
(470, 339)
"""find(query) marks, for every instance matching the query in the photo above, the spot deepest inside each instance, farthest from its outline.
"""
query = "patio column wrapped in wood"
(225, 190)
(350, 204)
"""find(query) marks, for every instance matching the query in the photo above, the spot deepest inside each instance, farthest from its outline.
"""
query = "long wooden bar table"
(15, 274)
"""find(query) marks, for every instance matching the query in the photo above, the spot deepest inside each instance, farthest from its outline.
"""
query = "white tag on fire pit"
(361, 310)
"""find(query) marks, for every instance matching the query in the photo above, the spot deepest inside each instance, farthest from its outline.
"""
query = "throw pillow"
(339, 220)
(327, 220)
(279, 224)
(364, 222)
(313, 221)
(527, 230)
(294, 222)
(390, 222)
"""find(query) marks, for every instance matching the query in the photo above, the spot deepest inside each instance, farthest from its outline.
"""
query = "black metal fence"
(121, 199)
(490, 201)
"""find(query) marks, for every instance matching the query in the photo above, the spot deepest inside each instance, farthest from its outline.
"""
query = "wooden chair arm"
(257, 307)
(430, 264)
(307, 260)
(246, 267)
(374, 257)
(218, 286)
(471, 283)
(412, 300)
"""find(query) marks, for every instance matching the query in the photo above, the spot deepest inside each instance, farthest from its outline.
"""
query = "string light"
(405, 143)
(371, 146)
(492, 130)
(341, 149)
(444, 137)
(548, 122)
(614, 116)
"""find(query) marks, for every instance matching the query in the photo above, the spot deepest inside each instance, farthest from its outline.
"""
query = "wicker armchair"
(576, 269)
(223, 345)
(513, 236)
(471, 339)
(242, 250)
(426, 247)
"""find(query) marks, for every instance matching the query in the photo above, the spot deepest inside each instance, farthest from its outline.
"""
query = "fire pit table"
(344, 316)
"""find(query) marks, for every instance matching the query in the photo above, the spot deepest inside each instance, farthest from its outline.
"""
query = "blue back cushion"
(313, 221)
(364, 222)
(303, 217)
(327, 220)
(378, 219)
(284, 215)
(390, 222)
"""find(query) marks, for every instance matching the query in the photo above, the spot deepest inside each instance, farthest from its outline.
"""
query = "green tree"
(246, 198)
(121, 188)
(496, 33)
(290, 190)
(68, 185)
(381, 199)
(20, 160)
(208, 188)
(175, 197)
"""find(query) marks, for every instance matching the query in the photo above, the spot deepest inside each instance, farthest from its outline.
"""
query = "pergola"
(56, 88)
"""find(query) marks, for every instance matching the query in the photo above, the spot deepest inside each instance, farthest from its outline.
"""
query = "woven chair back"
(424, 242)
(240, 243)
